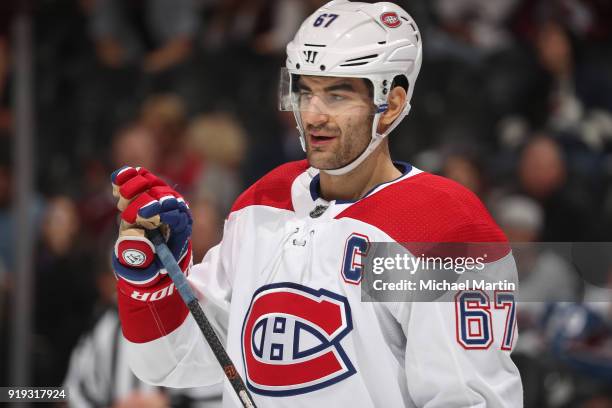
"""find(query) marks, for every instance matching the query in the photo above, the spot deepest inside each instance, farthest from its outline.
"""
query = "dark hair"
(400, 80)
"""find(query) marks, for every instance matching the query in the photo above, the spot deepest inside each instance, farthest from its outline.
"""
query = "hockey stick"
(180, 282)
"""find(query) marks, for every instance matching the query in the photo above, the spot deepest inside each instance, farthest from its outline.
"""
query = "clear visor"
(325, 95)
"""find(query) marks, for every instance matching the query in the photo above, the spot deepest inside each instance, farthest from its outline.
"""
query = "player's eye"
(304, 95)
(304, 92)
(335, 98)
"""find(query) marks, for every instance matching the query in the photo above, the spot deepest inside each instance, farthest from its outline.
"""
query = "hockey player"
(283, 286)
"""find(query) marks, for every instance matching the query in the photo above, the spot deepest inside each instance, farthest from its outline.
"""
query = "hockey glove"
(147, 202)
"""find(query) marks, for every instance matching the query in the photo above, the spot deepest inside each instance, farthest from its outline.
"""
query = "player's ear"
(396, 102)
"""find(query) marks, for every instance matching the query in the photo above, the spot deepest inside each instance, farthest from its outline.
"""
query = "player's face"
(337, 118)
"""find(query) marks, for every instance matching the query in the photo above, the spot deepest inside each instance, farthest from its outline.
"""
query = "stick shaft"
(181, 284)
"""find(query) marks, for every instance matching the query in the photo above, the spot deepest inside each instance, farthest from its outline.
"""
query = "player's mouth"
(319, 139)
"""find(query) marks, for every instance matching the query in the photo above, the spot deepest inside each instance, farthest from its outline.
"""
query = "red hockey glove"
(147, 202)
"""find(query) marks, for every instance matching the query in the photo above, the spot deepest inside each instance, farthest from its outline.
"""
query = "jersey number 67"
(474, 328)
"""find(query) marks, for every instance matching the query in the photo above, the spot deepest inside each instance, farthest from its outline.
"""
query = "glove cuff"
(149, 313)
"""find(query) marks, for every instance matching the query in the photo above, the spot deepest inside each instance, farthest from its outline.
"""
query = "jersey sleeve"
(180, 357)
(458, 349)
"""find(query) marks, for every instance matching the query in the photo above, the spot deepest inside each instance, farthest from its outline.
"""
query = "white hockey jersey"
(283, 290)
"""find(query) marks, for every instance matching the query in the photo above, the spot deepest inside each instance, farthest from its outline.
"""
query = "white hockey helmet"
(377, 42)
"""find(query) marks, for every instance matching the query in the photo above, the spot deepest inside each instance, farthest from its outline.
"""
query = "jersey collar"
(404, 167)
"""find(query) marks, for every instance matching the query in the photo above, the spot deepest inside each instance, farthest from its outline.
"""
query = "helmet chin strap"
(374, 142)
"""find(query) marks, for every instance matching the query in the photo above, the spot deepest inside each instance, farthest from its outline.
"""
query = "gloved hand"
(147, 202)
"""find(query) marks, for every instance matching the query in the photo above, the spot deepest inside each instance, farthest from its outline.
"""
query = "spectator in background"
(465, 168)
(164, 116)
(159, 128)
(287, 15)
(97, 210)
(477, 23)
(207, 225)
(569, 94)
(135, 145)
(542, 169)
(141, 47)
(156, 34)
(265, 26)
(62, 267)
(580, 341)
(590, 19)
(543, 175)
(575, 87)
(220, 141)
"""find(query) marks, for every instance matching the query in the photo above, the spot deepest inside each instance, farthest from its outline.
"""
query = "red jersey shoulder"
(427, 208)
(273, 189)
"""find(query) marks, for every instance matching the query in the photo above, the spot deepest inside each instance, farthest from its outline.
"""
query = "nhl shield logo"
(390, 19)
(291, 340)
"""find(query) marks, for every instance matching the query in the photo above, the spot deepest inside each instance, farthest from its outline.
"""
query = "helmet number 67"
(323, 18)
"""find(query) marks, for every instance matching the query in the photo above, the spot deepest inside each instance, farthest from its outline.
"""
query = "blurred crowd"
(514, 101)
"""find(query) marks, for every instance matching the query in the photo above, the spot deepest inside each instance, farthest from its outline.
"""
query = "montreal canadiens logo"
(291, 340)
(134, 257)
(390, 19)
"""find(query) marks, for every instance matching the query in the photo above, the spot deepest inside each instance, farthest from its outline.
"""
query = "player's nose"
(314, 118)
(315, 115)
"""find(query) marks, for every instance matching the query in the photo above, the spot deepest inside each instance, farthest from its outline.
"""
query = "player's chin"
(321, 160)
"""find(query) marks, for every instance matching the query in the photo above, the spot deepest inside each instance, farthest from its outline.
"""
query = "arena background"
(514, 101)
